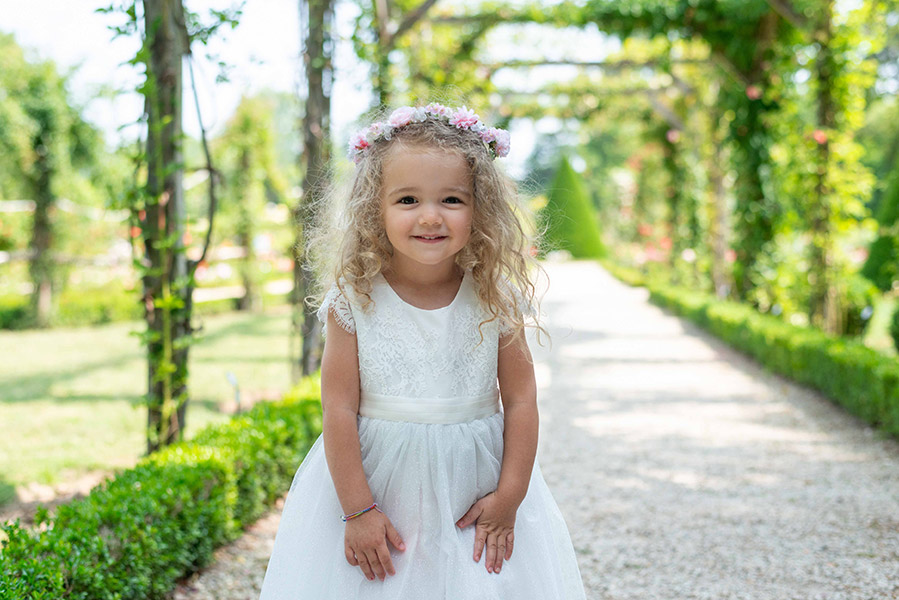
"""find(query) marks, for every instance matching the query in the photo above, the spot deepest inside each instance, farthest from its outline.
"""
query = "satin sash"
(457, 409)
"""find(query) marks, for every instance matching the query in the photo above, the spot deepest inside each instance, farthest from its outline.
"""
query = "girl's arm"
(494, 514)
(518, 388)
(340, 404)
(366, 536)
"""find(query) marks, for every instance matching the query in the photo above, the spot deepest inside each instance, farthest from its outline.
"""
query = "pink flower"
(438, 109)
(673, 135)
(488, 134)
(753, 92)
(463, 118)
(358, 142)
(503, 142)
(820, 136)
(496, 140)
(401, 116)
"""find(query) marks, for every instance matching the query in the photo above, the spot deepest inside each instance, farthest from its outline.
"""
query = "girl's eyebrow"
(457, 189)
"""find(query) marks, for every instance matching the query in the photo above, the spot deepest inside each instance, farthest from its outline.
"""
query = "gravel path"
(683, 469)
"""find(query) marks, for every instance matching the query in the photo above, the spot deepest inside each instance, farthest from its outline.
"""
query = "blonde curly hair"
(499, 251)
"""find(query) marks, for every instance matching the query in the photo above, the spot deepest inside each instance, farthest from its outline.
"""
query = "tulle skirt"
(424, 477)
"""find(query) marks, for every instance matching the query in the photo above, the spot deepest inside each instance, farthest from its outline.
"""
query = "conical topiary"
(568, 217)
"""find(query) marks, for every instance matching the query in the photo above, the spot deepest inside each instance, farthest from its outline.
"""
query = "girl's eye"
(404, 199)
(453, 200)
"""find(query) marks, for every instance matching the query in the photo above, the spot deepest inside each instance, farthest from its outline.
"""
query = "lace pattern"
(526, 311)
(339, 306)
(401, 357)
(412, 352)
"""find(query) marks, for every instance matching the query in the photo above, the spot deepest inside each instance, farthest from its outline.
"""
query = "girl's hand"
(365, 544)
(495, 528)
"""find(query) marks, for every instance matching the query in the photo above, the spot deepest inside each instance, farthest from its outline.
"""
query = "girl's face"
(426, 199)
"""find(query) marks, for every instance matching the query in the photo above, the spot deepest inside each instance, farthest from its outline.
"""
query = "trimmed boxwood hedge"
(138, 533)
(82, 308)
(859, 378)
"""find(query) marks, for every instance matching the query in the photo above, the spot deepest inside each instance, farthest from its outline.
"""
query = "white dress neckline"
(427, 310)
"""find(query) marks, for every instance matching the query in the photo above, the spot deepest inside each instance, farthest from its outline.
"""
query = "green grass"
(70, 399)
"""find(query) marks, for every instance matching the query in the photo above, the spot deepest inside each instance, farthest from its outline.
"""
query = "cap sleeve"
(335, 302)
(521, 307)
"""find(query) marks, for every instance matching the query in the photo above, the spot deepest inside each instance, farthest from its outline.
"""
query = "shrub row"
(95, 307)
(859, 378)
(138, 533)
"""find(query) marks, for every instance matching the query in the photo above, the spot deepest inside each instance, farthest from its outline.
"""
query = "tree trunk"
(316, 137)
(718, 208)
(824, 304)
(41, 267)
(756, 212)
(166, 300)
(251, 299)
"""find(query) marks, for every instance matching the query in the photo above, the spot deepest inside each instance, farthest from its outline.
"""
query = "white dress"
(431, 434)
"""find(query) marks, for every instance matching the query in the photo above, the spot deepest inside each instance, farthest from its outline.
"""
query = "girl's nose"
(429, 216)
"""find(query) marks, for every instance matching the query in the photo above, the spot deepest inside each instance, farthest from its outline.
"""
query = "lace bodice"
(412, 352)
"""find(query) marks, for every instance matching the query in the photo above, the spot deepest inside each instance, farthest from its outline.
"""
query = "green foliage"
(780, 284)
(97, 306)
(14, 312)
(48, 152)
(81, 308)
(860, 296)
(894, 327)
(882, 266)
(136, 534)
(568, 218)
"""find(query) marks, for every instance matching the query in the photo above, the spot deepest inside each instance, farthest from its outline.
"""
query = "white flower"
(401, 116)
(503, 142)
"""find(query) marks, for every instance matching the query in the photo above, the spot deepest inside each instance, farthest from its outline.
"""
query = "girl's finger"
(394, 537)
(384, 557)
(469, 517)
(375, 563)
(510, 541)
(366, 568)
(350, 556)
(490, 561)
(500, 553)
(479, 539)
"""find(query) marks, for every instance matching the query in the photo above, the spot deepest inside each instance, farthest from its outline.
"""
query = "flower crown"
(497, 140)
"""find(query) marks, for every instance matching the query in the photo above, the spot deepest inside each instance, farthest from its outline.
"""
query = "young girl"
(424, 483)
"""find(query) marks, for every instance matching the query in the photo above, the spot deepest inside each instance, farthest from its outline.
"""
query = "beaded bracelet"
(346, 518)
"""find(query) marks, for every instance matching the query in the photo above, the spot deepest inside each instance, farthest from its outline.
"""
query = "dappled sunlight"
(689, 458)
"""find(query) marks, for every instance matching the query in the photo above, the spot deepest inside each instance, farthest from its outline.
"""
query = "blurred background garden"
(158, 160)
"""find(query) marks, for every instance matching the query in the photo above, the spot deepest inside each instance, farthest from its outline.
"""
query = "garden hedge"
(84, 308)
(860, 379)
(141, 531)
